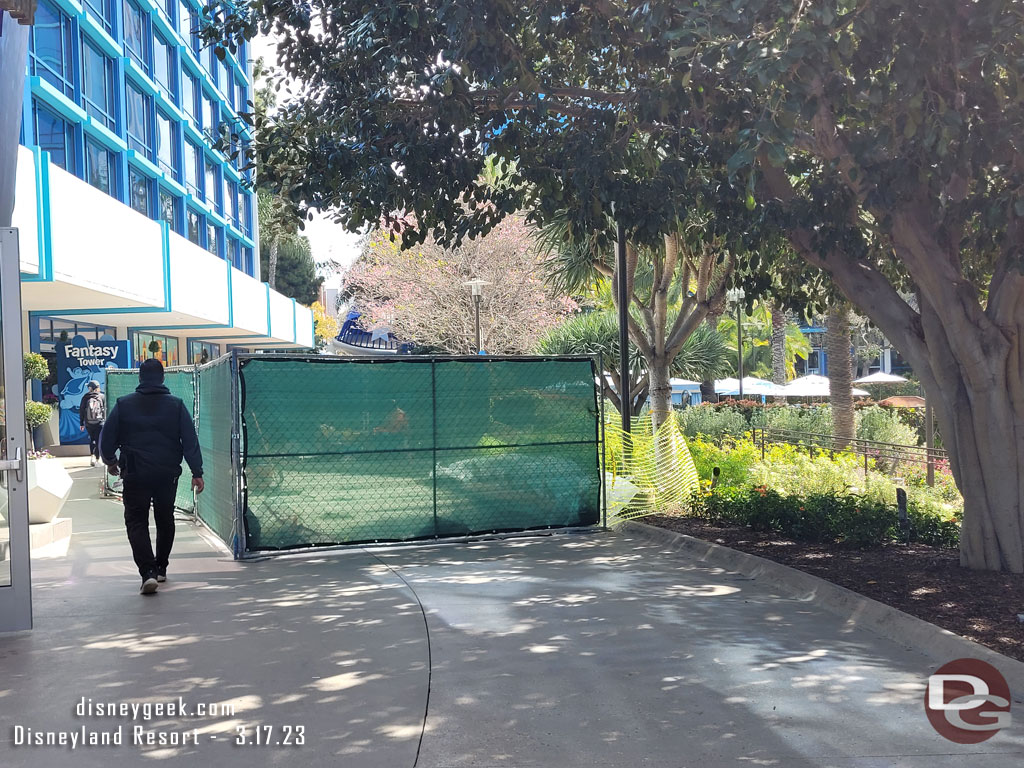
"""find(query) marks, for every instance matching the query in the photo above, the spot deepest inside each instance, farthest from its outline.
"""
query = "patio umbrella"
(880, 378)
(813, 386)
(751, 386)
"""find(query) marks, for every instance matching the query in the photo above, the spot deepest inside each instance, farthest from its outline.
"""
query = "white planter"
(49, 486)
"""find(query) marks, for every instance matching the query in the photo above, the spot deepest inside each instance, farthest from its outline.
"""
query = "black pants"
(94, 438)
(139, 492)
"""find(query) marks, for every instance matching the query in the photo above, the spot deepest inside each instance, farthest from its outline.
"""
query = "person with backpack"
(144, 440)
(92, 413)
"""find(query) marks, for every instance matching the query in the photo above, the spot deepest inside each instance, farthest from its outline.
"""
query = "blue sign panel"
(79, 362)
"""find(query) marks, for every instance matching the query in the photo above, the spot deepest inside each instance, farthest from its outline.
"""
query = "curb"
(857, 610)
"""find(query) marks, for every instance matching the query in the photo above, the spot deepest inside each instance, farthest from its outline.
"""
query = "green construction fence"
(305, 451)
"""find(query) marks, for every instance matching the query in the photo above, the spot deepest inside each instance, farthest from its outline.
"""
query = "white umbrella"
(880, 378)
(683, 383)
(751, 386)
(813, 386)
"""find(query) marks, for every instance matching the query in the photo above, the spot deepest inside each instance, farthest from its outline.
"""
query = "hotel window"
(165, 348)
(163, 64)
(100, 167)
(213, 236)
(185, 21)
(193, 231)
(101, 10)
(98, 85)
(52, 48)
(250, 266)
(193, 159)
(233, 197)
(247, 214)
(212, 62)
(211, 185)
(170, 206)
(140, 186)
(136, 35)
(56, 136)
(209, 116)
(166, 144)
(240, 98)
(188, 95)
(140, 127)
(235, 253)
(202, 352)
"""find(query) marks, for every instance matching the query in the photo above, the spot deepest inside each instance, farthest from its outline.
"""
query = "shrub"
(35, 367)
(884, 426)
(37, 414)
(711, 421)
(816, 419)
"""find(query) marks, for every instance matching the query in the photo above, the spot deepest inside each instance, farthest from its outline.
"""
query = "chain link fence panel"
(349, 450)
(216, 505)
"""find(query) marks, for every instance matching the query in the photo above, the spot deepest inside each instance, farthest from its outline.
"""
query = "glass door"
(15, 565)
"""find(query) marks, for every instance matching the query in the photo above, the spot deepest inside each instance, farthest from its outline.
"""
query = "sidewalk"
(570, 651)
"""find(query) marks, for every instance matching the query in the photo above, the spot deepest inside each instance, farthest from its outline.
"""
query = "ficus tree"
(881, 136)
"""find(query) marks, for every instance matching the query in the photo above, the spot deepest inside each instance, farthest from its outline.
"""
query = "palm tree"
(672, 284)
(840, 373)
(705, 353)
(759, 342)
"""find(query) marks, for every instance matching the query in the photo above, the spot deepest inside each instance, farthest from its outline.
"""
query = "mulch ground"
(926, 582)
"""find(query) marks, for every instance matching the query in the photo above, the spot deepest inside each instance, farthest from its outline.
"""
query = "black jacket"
(153, 431)
(83, 409)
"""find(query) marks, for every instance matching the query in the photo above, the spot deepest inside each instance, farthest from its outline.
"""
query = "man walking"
(92, 412)
(153, 431)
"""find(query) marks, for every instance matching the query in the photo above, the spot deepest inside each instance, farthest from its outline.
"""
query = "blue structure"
(352, 339)
(121, 94)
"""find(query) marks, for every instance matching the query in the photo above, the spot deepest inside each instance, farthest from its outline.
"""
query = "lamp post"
(737, 295)
(476, 287)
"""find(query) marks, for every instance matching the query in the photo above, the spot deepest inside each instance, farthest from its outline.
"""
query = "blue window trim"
(70, 140)
(107, 117)
(143, 144)
(151, 186)
(113, 159)
(68, 51)
(144, 58)
(105, 11)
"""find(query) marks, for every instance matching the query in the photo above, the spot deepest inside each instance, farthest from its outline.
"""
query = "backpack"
(94, 411)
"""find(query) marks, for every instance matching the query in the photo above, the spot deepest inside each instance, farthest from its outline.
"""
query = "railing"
(869, 449)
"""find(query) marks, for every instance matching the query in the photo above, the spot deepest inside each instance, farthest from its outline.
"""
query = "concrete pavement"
(569, 650)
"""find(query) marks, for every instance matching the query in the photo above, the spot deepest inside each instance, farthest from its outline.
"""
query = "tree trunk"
(660, 391)
(778, 347)
(968, 353)
(840, 374)
(272, 263)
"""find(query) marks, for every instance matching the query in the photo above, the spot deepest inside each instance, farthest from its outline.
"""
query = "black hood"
(152, 388)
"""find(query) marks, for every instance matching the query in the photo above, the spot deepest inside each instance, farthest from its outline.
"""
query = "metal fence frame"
(110, 489)
(869, 449)
(237, 360)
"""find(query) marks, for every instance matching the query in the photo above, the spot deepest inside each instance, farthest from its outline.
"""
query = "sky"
(329, 241)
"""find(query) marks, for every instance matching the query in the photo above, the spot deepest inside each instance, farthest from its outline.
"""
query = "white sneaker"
(149, 585)
(92, 461)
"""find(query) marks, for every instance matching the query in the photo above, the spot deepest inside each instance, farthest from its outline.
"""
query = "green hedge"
(822, 518)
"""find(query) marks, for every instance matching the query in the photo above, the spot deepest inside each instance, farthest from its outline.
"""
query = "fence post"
(929, 441)
(599, 386)
(238, 536)
(433, 411)
(901, 504)
(763, 438)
